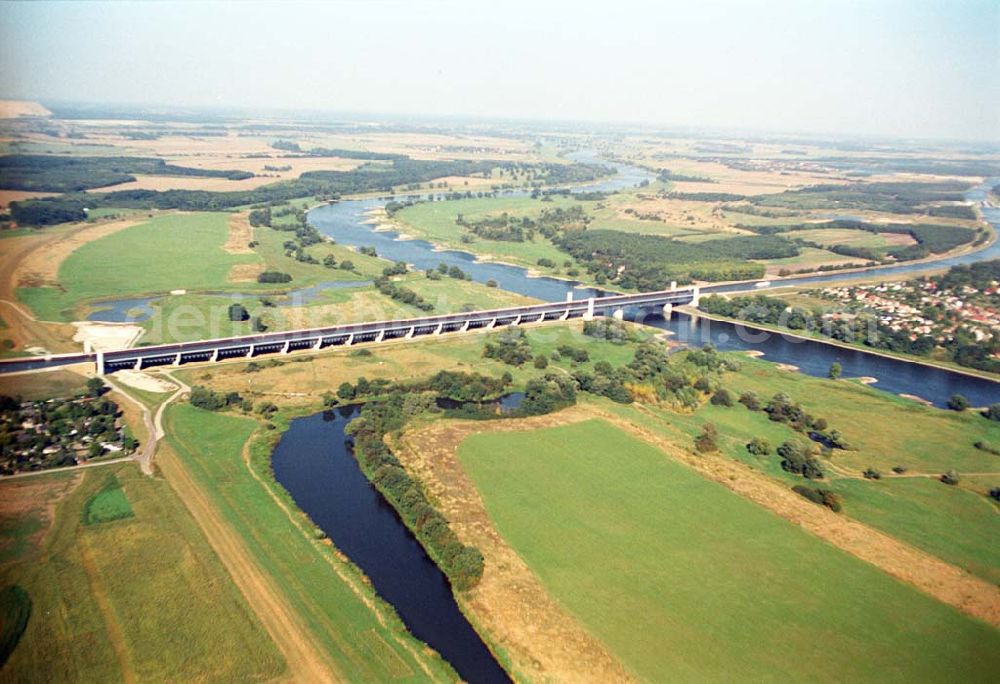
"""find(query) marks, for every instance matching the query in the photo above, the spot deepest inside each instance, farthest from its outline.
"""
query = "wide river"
(313, 459)
(345, 222)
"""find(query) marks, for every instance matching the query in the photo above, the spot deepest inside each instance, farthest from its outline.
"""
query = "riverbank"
(815, 337)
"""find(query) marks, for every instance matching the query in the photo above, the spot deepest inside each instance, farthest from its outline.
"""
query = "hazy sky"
(907, 68)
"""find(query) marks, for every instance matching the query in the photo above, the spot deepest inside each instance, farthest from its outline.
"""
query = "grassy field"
(57, 383)
(304, 383)
(435, 221)
(323, 589)
(616, 530)
(177, 251)
(142, 597)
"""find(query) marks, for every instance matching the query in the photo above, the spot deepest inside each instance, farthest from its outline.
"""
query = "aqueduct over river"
(354, 333)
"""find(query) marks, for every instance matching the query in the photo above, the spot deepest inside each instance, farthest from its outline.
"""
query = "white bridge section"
(347, 335)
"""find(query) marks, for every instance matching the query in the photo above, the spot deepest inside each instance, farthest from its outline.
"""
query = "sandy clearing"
(544, 642)
(144, 381)
(240, 234)
(106, 336)
(8, 196)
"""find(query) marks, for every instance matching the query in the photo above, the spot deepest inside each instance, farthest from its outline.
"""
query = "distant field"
(435, 221)
(57, 383)
(143, 597)
(177, 251)
(854, 238)
(616, 530)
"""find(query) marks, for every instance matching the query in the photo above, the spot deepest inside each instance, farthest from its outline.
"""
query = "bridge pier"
(215, 355)
(250, 353)
(138, 364)
(695, 296)
(673, 285)
(619, 314)
(350, 340)
(668, 310)
(177, 360)
(516, 321)
(589, 316)
(565, 316)
(493, 323)
(319, 344)
(409, 335)
(287, 348)
(439, 329)
(100, 363)
(380, 336)
(540, 318)
(465, 327)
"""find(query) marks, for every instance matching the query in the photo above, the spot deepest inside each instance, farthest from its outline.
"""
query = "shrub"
(949, 478)
(707, 440)
(796, 459)
(758, 446)
(823, 497)
(541, 361)
(988, 448)
(722, 397)
(992, 412)
(238, 312)
(995, 493)
(274, 277)
(750, 400)
(899, 470)
(872, 474)
(958, 402)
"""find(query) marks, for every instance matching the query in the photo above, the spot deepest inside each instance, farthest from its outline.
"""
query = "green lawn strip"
(684, 580)
(107, 504)
(210, 446)
(883, 430)
(179, 614)
(951, 523)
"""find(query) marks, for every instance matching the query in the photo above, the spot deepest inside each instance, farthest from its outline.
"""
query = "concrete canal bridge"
(250, 346)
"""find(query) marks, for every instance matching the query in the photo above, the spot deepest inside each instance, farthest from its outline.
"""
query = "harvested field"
(240, 234)
(8, 196)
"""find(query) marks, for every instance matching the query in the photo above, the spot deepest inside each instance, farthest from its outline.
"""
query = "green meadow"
(141, 596)
(210, 445)
(685, 581)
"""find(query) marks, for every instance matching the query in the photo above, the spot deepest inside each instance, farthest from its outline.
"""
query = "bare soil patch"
(34, 497)
(144, 381)
(8, 196)
(543, 642)
(106, 336)
(240, 234)
(244, 273)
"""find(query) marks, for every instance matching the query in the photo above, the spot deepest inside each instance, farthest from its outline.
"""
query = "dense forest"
(896, 198)
(50, 173)
(930, 238)
(650, 262)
